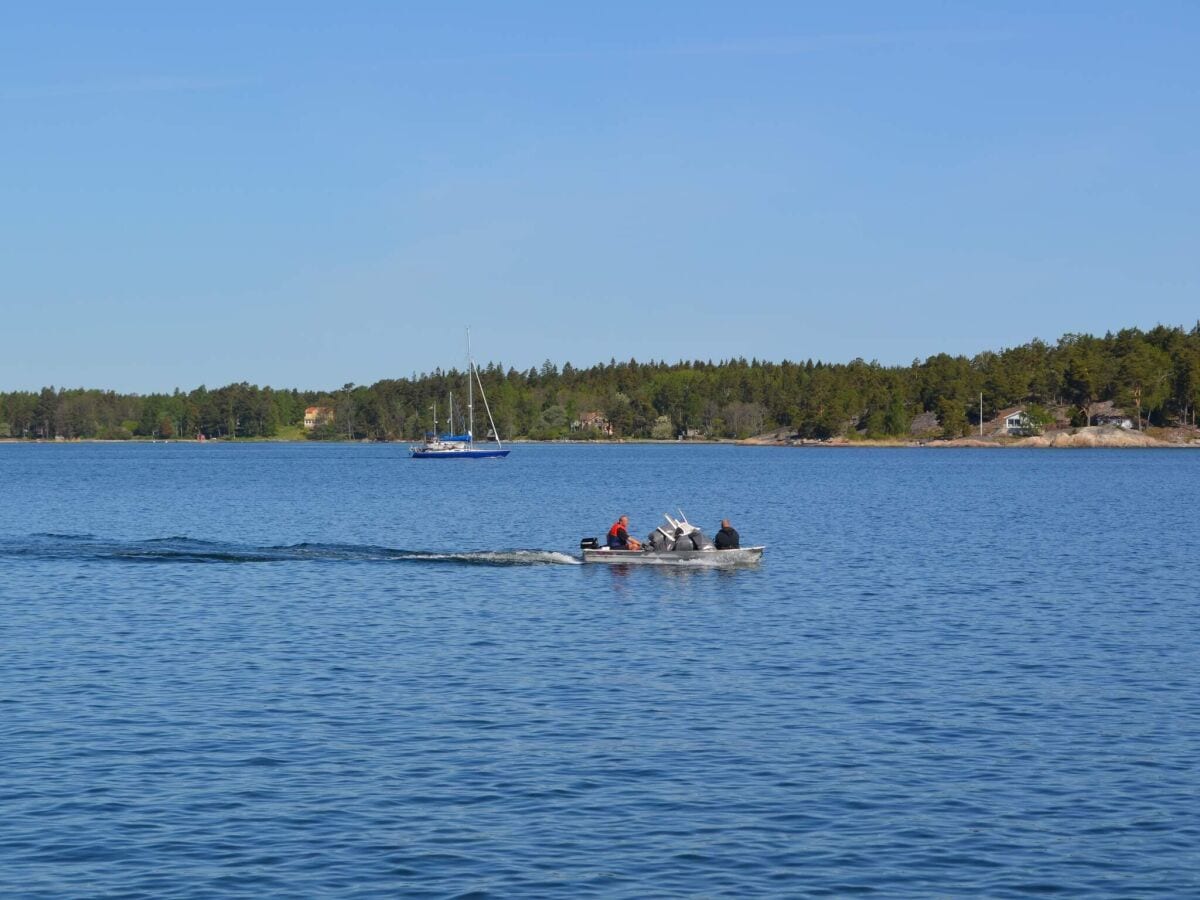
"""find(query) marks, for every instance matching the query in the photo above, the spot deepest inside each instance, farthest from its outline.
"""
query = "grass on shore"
(289, 433)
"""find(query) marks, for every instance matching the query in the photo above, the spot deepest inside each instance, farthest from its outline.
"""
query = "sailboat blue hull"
(420, 453)
(461, 446)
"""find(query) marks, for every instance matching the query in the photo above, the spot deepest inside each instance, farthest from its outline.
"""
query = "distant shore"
(1094, 437)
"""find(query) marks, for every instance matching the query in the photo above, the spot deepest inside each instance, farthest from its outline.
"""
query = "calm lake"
(317, 670)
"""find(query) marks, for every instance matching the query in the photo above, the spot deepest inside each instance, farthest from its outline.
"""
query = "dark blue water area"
(330, 670)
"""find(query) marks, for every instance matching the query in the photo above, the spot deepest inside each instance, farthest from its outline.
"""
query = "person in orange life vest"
(618, 536)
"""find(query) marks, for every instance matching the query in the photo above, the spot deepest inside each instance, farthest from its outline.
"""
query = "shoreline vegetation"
(1129, 389)
(1096, 437)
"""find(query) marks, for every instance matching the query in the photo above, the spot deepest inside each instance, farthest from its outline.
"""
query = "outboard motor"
(683, 541)
(687, 535)
(661, 541)
(589, 543)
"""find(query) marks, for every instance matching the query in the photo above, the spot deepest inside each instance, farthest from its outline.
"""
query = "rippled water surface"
(305, 670)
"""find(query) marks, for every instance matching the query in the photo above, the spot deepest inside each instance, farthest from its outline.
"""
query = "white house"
(1017, 423)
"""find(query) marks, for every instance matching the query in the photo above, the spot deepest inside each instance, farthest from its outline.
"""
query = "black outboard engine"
(680, 535)
(589, 544)
(660, 541)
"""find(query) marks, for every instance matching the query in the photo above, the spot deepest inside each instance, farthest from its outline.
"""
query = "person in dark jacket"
(727, 538)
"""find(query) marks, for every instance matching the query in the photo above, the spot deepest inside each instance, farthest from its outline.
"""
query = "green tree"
(1039, 417)
(952, 417)
(1144, 373)
(663, 429)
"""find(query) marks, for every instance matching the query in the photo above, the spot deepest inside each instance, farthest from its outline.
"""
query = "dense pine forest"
(1154, 376)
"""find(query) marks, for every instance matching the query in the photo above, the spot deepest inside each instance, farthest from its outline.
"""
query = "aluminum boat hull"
(740, 557)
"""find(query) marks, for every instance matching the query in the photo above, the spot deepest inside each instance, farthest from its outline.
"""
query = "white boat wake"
(183, 549)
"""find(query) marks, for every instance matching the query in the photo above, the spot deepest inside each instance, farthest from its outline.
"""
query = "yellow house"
(316, 416)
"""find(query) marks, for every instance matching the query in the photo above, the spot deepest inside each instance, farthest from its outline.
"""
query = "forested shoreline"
(1153, 376)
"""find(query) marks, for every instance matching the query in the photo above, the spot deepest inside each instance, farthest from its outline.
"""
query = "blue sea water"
(329, 670)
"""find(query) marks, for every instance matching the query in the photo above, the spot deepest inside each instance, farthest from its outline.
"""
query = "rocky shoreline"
(1096, 436)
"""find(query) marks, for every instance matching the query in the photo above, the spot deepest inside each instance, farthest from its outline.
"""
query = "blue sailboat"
(461, 446)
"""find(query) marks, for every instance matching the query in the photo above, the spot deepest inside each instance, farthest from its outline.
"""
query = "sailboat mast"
(454, 444)
(470, 390)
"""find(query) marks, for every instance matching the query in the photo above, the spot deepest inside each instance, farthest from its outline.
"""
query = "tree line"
(1154, 376)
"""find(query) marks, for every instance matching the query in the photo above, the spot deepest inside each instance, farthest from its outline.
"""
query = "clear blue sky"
(308, 194)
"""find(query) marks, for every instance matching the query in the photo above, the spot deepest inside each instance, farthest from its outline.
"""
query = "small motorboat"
(678, 543)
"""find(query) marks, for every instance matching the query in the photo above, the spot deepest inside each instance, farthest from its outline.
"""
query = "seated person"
(618, 536)
(727, 538)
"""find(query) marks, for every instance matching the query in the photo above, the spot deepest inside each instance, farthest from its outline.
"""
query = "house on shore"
(1018, 423)
(593, 421)
(316, 416)
(1011, 422)
(1106, 413)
